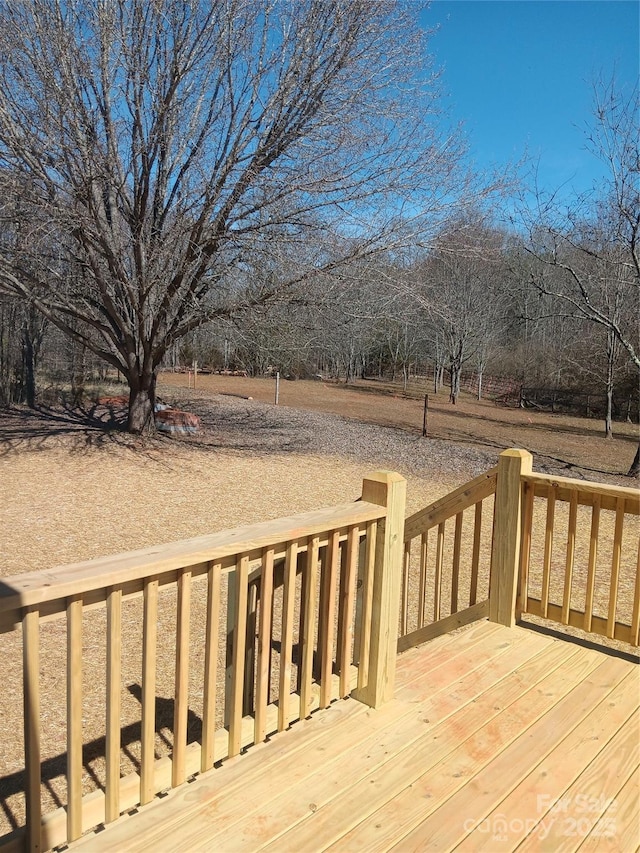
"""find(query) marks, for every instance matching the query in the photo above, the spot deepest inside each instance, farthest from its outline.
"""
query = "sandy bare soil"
(558, 442)
(72, 489)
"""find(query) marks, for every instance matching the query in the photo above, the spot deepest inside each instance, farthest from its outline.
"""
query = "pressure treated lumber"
(385, 489)
(512, 465)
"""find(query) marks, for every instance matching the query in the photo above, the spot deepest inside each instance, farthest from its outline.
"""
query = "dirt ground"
(576, 444)
(73, 486)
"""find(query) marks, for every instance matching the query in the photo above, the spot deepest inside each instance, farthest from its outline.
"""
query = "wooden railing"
(447, 558)
(580, 562)
(511, 543)
(290, 615)
(277, 606)
(565, 550)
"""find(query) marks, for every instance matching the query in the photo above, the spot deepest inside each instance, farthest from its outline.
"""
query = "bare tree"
(458, 285)
(589, 254)
(153, 144)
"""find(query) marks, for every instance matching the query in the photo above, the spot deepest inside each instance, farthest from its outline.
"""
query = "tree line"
(274, 183)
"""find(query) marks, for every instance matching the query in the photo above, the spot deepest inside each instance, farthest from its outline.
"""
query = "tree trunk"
(634, 471)
(142, 400)
(78, 372)
(27, 381)
(29, 368)
(611, 355)
(608, 429)
(455, 383)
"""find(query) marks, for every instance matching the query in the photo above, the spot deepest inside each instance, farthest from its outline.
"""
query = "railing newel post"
(508, 524)
(388, 489)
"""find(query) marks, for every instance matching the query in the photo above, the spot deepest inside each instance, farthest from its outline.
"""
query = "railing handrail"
(457, 501)
(37, 588)
(631, 496)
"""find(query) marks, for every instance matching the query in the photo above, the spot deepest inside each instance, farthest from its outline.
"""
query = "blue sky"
(519, 73)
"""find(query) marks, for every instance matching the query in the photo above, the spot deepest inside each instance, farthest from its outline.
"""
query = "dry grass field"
(558, 442)
(72, 489)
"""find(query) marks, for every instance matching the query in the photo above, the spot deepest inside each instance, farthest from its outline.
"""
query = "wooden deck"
(497, 739)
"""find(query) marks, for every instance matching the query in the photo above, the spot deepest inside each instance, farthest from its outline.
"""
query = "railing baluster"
(286, 644)
(302, 627)
(149, 655)
(249, 692)
(635, 619)
(422, 583)
(342, 573)
(438, 575)
(346, 610)
(327, 616)
(367, 603)
(212, 635)
(322, 599)
(571, 550)
(548, 550)
(74, 717)
(404, 609)
(591, 565)
(525, 550)
(264, 646)
(475, 558)
(114, 692)
(455, 566)
(308, 609)
(181, 694)
(615, 568)
(237, 658)
(31, 692)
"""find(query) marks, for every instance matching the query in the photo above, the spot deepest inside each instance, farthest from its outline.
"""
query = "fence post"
(385, 488)
(505, 554)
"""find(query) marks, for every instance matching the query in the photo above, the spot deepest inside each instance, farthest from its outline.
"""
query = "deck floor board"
(490, 732)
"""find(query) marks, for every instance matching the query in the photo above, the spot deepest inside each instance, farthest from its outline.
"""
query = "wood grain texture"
(508, 530)
(570, 557)
(389, 490)
(114, 689)
(119, 569)
(453, 503)
(286, 639)
(548, 548)
(455, 567)
(592, 563)
(475, 558)
(212, 634)
(237, 658)
(525, 549)
(327, 617)
(347, 609)
(74, 717)
(181, 692)
(487, 717)
(264, 645)
(587, 490)
(31, 706)
(149, 659)
(437, 579)
(367, 603)
(615, 566)
(309, 620)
